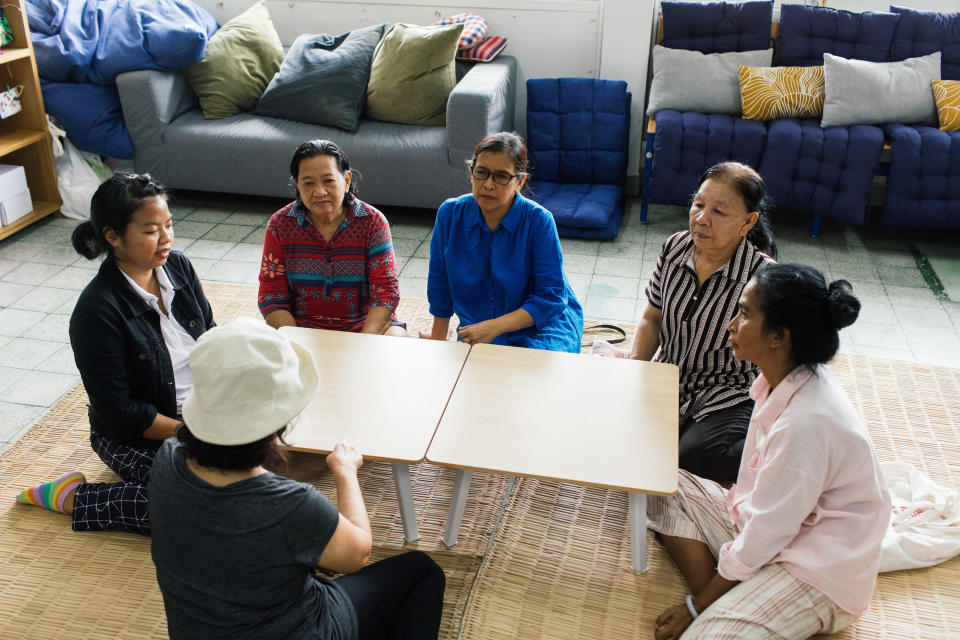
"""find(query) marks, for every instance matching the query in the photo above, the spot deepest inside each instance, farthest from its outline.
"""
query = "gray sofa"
(400, 164)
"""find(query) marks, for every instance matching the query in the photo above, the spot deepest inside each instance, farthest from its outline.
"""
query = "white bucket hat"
(249, 380)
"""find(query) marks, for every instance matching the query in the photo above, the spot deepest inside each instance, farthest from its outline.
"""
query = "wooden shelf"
(40, 210)
(18, 139)
(13, 53)
(24, 139)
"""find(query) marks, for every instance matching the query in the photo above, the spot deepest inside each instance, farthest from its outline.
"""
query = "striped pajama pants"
(115, 505)
(771, 604)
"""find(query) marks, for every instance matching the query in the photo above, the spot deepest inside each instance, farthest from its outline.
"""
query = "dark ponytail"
(796, 297)
(111, 208)
(751, 187)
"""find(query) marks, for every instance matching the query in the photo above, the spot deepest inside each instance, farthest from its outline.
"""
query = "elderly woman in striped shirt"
(328, 258)
(793, 548)
(691, 298)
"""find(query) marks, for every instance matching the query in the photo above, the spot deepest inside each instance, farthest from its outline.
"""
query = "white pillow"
(706, 83)
(861, 92)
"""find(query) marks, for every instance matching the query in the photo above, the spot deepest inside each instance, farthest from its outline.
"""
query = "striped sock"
(50, 495)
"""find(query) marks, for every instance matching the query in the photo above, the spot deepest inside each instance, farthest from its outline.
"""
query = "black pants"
(712, 447)
(398, 598)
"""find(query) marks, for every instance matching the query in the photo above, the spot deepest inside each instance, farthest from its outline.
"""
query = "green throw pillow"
(413, 74)
(241, 59)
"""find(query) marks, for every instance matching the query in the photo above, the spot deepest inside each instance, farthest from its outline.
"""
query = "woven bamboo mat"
(559, 566)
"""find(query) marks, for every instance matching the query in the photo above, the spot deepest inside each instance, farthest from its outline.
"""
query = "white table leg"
(401, 480)
(458, 498)
(637, 514)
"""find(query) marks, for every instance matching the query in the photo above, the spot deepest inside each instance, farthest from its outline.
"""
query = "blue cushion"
(821, 171)
(83, 41)
(716, 27)
(921, 32)
(578, 130)
(323, 79)
(91, 116)
(592, 233)
(806, 33)
(923, 187)
(688, 143)
(577, 205)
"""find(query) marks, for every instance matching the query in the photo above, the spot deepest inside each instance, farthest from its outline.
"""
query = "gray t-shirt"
(237, 561)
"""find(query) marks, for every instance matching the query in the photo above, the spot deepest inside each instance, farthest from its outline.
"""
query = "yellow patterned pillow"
(767, 93)
(947, 95)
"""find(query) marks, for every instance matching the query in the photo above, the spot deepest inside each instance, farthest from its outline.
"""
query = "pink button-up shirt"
(809, 494)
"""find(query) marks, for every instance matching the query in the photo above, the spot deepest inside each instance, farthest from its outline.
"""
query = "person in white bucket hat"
(236, 546)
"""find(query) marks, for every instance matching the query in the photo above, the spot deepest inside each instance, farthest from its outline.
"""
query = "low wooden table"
(563, 417)
(384, 393)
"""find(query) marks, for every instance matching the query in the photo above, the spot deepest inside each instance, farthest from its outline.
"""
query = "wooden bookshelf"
(24, 138)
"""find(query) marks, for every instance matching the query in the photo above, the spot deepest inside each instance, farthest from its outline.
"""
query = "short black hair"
(318, 147)
(111, 208)
(268, 451)
(797, 297)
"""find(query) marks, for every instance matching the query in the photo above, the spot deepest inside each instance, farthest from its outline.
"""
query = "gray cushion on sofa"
(323, 79)
(692, 81)
(861, 92)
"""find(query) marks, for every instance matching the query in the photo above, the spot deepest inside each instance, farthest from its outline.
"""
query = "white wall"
(549, 38)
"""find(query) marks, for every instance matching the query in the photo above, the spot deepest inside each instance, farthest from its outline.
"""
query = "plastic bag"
(78, 174)
(925, 523)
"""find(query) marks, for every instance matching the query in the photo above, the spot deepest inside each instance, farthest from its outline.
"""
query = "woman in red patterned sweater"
(328, 258)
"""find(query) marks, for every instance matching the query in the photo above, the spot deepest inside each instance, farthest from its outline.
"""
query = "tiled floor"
(41, 276)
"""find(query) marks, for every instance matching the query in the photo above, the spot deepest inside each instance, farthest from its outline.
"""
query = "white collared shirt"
(179, 342)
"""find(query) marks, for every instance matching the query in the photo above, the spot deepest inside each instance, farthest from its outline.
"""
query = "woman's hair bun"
(842, 305)
(87, 240)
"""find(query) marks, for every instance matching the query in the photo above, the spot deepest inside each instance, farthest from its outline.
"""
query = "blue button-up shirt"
(481, 274)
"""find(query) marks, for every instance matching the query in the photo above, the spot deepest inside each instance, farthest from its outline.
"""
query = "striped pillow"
(474, 28)
(485, 51)
(768, 93)
(946, 93)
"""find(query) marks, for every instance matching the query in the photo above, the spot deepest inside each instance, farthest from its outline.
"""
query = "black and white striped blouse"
(693, 332)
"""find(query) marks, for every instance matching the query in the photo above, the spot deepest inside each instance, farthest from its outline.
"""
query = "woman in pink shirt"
(793, 548)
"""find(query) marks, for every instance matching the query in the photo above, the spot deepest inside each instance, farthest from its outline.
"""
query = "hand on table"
(345, 457)
(479, 333)
(604, 349)
(671, 624)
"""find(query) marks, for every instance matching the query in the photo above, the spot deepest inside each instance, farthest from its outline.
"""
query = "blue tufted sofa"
(824, 172)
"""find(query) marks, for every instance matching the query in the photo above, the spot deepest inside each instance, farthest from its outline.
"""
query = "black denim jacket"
(119, 349)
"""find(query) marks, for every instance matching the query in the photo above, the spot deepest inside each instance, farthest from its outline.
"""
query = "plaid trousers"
(771, 604)
(115, 505)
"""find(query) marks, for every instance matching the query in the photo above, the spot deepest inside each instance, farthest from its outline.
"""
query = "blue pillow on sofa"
(921, 32)
(323, 79)
(806, 33)
(716, 27)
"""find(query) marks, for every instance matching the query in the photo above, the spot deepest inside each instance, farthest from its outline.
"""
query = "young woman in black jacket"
(131, 331)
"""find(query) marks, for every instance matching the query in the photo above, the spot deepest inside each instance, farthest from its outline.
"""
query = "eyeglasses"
(500, 177)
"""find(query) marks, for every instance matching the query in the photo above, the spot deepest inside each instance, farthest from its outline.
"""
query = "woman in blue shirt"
(495, 260)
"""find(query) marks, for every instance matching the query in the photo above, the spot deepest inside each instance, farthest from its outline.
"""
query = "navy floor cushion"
(577, 136)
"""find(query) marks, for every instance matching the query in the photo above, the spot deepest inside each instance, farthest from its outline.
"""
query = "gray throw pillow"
(861, 92)
(706, 83)
(323, 79)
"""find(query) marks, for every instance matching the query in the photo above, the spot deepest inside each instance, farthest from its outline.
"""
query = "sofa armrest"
(482, 103)
(151, 100)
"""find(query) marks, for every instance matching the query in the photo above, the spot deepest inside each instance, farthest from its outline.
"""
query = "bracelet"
(691, 608)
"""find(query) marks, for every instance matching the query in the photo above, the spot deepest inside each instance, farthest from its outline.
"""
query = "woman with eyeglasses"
(495, 260)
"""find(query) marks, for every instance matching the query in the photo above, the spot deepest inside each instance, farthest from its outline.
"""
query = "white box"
(15, 207)
(15, 201)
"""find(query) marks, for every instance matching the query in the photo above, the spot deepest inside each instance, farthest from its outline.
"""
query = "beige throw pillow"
(241, 59)
(413, 74)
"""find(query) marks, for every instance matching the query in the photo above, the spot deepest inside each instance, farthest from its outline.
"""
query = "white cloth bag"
(925, 522)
